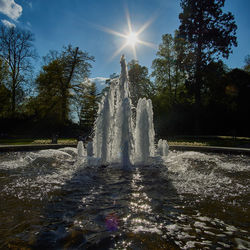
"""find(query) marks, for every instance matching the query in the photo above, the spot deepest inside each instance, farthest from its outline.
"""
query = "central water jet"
(118, 139)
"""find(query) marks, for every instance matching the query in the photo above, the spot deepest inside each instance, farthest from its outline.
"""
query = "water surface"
(193, 200)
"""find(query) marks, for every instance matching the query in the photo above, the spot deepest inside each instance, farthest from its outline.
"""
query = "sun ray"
(131, 37)
(128, 20)
(148, 44)
(134, 52)
(113, 32)
(145, 25)
(118, 51)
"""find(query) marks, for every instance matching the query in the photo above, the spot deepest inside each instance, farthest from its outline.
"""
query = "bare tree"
(17, 50)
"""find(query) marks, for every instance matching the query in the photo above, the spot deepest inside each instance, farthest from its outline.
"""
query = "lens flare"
(132, 39)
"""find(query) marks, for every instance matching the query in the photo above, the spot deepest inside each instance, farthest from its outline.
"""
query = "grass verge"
(35, 141)
(216, 141)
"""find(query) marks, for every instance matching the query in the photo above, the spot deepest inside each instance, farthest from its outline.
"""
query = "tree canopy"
(211, 32)
(140, 84)
(60, 77)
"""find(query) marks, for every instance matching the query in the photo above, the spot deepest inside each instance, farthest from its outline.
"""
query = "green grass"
(15, 141)
(35, 141)
(219, 141)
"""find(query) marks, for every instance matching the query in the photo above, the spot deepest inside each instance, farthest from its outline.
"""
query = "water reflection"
(193, 201)
(90, 204)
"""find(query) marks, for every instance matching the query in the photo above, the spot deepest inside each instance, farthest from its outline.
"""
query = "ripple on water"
(194, 200)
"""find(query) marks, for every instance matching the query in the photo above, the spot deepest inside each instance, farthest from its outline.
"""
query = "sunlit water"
(194, 200)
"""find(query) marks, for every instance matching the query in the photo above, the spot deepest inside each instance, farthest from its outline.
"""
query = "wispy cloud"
(11, 9)
(100, 82)
(99, 79)
(8, 24)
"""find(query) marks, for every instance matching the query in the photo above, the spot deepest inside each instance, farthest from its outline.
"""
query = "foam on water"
(205, 175)
(167, 200)
(39, 172)
(190, 201)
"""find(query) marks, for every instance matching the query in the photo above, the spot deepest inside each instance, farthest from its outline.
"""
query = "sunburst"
(132, 37)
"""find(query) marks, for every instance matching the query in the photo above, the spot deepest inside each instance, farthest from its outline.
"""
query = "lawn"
(216, 141)
(36, 141)
(219, 141)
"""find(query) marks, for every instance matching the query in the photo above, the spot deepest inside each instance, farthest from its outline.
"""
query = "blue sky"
(59, 22)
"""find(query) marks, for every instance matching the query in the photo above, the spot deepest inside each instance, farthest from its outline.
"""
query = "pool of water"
(192, 200)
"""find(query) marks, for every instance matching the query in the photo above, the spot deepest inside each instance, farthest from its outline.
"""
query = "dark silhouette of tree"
(5, 97)
(211, 32)
(238, 88)
(17, 50)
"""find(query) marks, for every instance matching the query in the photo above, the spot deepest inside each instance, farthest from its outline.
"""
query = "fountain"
(190, 200)
(118, 139)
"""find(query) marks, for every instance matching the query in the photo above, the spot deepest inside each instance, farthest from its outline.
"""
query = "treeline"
(192, 90)
(44, 105)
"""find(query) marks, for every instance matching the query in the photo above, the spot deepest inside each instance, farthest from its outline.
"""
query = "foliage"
(140, 84)
(60, 76)
(238, 89)
(192, 88)
(174, 59)
(86, 105)
(4, 73)
(5, 95)
(211, 32)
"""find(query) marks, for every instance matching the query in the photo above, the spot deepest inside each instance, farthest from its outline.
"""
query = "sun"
(132, 39)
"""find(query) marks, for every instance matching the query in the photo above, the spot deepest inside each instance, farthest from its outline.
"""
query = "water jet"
(118, 139)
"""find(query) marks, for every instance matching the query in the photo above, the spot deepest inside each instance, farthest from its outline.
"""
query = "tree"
(4, 101)
(214, 83)
(4, 92)
(174, 58)
(49, 92)
(140, 85)
(163, 65)
(88, 106)
(238, 89)
(4, 74)
(212, 33)
(247, 63)
(62, 74)
(17, 50)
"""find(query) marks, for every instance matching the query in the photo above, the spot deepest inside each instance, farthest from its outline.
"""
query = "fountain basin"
(192, 200)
